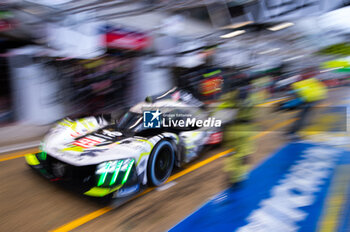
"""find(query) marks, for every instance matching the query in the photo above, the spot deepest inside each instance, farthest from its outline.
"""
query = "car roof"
(165, 106)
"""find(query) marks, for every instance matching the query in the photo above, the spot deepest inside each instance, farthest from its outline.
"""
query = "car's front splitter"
(119, 191)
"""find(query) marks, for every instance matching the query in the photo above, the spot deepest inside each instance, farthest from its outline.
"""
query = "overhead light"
(232, 34)
(269, 51)
(50, 2)
(331, 69)
(237, 25)
(294, 58)
(280, 26)
(32, 10)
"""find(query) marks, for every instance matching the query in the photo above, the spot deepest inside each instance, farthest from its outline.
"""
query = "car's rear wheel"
(161, 163)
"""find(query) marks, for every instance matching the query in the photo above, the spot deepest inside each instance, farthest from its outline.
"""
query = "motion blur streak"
(18, 154)
(336, 201)
(270, 102)
(198, 165)
(84, 219)
(34, 150)
(275, 127)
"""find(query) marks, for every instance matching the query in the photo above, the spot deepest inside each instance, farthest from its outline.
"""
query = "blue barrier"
(293, 190)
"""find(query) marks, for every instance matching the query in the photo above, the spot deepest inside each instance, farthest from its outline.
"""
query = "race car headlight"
(109, 172)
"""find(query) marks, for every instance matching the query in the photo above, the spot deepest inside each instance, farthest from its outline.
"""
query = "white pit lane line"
(166, 186)
(18, 147)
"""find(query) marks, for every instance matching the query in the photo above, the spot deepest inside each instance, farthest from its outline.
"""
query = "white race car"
(118, 158)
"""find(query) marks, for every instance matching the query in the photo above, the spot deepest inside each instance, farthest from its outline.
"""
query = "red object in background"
(309, 73)
(332, 83)
(215, 138)
(211, 85)
(5, 25)
(345, 81)
(126, 39)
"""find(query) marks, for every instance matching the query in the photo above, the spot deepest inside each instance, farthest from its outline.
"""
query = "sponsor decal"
(88, 142)
(75, 134)
(176, 96)
(152, 119)
(297, 190)
(290, 191)
(127, 191)
(112, 133)
(105, 137)
(123, 38)
(191, 122)
(155, 119)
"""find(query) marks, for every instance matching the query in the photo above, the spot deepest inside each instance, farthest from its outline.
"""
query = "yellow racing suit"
(309, 91)
(238, 136)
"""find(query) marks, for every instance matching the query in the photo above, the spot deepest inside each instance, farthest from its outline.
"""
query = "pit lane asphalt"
(31, 203)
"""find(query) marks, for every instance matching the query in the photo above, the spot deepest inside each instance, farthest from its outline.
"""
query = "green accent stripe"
(126, 176)
(32, 160)
(116, 172)
(142, 155)
(42, 155)
(212, 73)
(103, 176)
(346, 69)
(101, 192)
(177, 139)
(146, 141)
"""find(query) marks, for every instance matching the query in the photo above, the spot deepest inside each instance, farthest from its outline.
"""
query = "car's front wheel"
(161, 163)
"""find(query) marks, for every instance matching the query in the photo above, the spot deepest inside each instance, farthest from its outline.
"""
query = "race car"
(117, 158)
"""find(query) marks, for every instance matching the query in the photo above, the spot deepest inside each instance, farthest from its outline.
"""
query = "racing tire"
(161, 163)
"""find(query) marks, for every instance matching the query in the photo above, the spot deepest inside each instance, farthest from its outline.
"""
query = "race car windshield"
(131, 121)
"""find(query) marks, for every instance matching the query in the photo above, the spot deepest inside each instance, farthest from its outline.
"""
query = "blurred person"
(238, 135)
(261, 89)
(306, 94)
